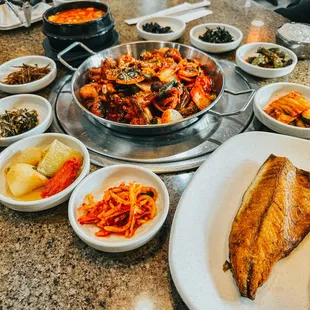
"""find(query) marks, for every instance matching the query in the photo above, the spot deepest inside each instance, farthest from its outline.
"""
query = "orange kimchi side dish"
(122, 210)
(76, 16)
(292, 109)
(159, 87)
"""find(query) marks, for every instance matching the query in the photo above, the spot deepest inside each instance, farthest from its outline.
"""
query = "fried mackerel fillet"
(274, 217)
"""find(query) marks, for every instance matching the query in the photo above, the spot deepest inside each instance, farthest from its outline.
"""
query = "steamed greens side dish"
(270, 58)
(47, 171)
(17, 121)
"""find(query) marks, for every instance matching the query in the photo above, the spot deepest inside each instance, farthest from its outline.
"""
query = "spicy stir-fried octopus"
(160, 87)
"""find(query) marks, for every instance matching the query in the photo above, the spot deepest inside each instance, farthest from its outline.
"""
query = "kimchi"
(159, 87)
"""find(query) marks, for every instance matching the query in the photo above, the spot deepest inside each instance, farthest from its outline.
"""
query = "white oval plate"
(202, 223)
(30, 102)
(99, 181)
(41, 61)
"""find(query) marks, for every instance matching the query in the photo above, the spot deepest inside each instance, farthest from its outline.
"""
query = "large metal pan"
(209, 65)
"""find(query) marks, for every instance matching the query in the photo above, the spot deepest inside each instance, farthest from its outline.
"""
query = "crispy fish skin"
(274, 217)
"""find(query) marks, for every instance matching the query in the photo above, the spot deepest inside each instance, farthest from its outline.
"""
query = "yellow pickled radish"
(55, 156)
(23, 179)
(30, 156)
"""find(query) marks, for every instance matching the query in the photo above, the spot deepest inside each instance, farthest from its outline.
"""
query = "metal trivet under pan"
(177, 151)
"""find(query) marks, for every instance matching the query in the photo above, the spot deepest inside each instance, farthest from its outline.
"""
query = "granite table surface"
(43, 264)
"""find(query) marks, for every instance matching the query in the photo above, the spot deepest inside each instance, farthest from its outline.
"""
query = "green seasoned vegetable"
(149, 193)
(17, 121)
(305, 115)
(128, 73)
(277, 51)
(127, 89)
(163, 90)
(276, 60)
(220, 35)
(270, 58)
(259, 60)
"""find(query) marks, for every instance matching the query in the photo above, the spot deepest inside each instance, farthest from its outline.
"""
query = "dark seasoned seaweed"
(218, 35)
(156, 28)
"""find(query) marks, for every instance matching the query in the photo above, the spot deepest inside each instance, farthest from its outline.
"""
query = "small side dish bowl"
(215, 47)
(177, 26)
(92, 41)
(94, 33)
(31, 102)
(99, 181)
(265, 95)
(36, 141)
(248, 50)
(41, 61)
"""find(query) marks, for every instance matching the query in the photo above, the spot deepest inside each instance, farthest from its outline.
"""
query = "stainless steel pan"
(209, 65)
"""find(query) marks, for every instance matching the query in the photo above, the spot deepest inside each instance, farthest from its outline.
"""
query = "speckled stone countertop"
(43, 264)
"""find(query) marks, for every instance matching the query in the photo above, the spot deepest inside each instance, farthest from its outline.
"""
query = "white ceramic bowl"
(7, 68)
(177, 26)
(38, 103)
(265, 95)
(215, 47)
(248, 50)
(34, 141)
(96, 183)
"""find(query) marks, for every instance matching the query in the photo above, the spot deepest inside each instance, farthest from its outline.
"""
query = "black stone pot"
(99, 25)
(93, 41)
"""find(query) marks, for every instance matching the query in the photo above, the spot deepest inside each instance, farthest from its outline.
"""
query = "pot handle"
(251, 91)
(69, 48)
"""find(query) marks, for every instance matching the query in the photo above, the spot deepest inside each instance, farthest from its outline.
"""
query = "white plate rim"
(174, 273)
